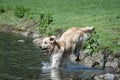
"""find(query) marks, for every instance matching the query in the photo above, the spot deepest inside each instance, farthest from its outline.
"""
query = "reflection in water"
(55, 75)
(54, 72)
(70, 71)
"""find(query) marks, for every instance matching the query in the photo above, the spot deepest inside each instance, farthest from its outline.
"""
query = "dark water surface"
(22, 61)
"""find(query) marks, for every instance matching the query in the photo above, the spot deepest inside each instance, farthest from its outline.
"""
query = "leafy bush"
(20, 11)
(44, 22)
(92, 44)
(2, 9)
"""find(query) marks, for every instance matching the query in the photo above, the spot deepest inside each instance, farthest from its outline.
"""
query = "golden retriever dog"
(69, 43)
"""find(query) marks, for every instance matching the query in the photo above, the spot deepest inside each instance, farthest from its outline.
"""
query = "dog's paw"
(77, 59)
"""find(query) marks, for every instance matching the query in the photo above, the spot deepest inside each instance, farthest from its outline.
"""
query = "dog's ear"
(52, 38)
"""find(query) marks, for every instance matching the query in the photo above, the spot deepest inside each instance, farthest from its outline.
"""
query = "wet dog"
(70, 42)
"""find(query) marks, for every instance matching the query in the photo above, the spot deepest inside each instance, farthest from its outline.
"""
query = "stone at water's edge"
(37, 41)
(21, 41)
(112, 63)
(97, 60)
(24, 33)
(89, 61)
(33, 34)
(107, 76)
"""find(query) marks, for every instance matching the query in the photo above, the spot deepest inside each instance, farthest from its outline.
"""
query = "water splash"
(46, 66)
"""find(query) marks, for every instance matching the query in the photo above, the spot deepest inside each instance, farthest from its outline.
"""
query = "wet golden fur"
(70, 42)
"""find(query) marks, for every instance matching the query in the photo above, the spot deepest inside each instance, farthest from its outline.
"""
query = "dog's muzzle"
(44, 50)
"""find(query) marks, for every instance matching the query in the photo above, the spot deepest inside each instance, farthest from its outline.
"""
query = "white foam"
(46, 65)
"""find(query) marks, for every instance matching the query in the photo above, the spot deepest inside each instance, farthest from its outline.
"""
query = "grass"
(103, 14)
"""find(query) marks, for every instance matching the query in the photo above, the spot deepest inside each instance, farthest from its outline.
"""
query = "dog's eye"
(45, 42)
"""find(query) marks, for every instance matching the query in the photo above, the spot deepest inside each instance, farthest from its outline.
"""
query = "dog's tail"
(88, 29)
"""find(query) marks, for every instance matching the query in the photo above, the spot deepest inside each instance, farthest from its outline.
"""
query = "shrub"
(2, 9)
(92, 44)
(20, 11)
(44, 22)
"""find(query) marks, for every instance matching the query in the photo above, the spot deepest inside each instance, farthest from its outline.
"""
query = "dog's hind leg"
(77, 52)
(77, 59)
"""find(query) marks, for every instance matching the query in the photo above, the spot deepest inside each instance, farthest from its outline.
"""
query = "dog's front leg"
(56, 60)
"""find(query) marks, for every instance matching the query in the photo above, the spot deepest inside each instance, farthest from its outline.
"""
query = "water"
(21, 60)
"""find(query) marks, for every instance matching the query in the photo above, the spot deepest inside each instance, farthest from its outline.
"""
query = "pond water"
(21, 60)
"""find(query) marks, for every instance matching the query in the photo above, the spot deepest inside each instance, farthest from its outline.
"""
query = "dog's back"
(75, 37)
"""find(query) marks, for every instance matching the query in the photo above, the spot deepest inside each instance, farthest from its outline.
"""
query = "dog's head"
(48, 44)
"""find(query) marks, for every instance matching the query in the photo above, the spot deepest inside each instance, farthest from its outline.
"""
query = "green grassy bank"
(103, 14)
